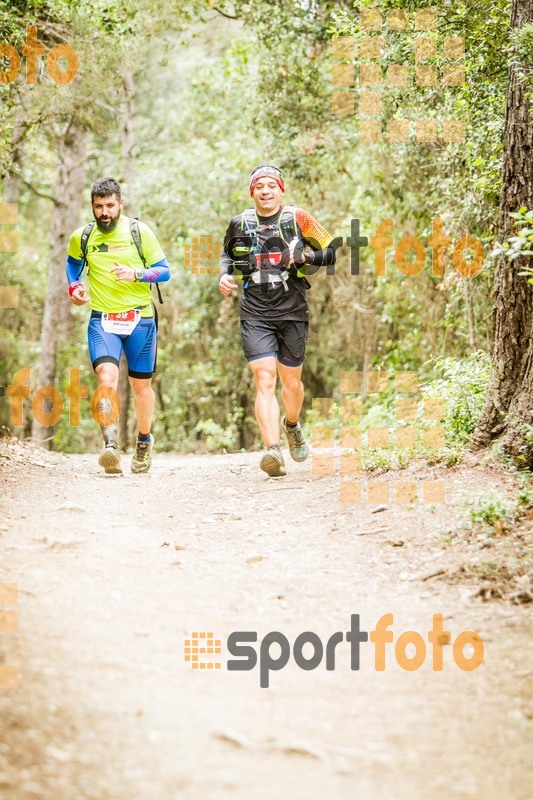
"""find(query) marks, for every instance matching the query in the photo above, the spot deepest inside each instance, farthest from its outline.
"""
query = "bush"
(491, 510)
(497, 512)
(463, 387)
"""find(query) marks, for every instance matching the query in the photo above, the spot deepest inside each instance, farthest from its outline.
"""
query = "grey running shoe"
(142, 458)
(297, 445)
(110, 459)
(272, 462)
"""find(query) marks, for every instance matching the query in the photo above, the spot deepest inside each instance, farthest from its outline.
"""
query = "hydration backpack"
(243, 248)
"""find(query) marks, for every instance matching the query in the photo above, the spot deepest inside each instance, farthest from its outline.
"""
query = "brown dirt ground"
(114, 573)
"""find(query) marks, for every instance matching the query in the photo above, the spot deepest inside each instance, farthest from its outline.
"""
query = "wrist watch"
(139, 274)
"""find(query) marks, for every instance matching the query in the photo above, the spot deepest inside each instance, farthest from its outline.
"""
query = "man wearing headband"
(272, 247)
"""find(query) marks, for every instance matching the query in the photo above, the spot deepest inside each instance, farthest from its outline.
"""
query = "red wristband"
(73, 287)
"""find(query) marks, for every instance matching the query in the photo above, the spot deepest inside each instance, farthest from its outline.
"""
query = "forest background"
(179, 101)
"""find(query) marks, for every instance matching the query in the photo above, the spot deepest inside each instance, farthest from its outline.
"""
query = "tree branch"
(223, 13)
(40, 194)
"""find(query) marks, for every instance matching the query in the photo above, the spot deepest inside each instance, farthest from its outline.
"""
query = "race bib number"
(123, 323)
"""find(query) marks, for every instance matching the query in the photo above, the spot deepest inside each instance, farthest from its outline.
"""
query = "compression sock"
(143, 437)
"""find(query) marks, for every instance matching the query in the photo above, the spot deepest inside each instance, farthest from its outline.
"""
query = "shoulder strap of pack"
(289, 225)
(136, 236)
(249, 221)
(288, 220)
(85, 240)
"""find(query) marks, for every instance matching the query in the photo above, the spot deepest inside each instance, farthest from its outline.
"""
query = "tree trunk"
(469, 309)
(127, 153)
(509, 404)
(70, 182)
(13, 180)
(127, 142)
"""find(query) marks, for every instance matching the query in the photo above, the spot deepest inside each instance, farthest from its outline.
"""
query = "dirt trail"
(115, 573)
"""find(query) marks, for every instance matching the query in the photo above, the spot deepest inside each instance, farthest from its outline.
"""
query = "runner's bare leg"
(144, 401)
(266, 402)
(107, 375)
(292, 391)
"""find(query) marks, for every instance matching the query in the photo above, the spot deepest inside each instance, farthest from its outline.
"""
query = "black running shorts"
(283, 339)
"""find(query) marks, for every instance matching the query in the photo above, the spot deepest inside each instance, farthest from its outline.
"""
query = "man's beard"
(109, 226)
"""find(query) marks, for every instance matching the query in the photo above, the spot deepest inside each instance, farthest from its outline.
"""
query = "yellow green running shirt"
(104, 249)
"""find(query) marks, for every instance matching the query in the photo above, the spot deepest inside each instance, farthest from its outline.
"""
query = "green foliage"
(374, 459)
(520, 244)
(524, 495)
(491, 510)
(449, 456)
(522, 58)
(214, 437)
(214, 97)
(496, 512)
(463, 387)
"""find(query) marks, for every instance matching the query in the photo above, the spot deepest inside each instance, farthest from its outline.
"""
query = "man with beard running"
(273, 247)
(124, 259)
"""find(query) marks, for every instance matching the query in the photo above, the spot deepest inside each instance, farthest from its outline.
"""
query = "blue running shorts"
(140, 346)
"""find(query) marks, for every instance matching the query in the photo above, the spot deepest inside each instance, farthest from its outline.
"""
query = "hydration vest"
(246, 248)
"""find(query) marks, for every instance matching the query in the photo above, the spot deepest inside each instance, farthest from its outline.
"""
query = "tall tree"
(70, 182)
(127, 153)
(13, 180)
(509, 404)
